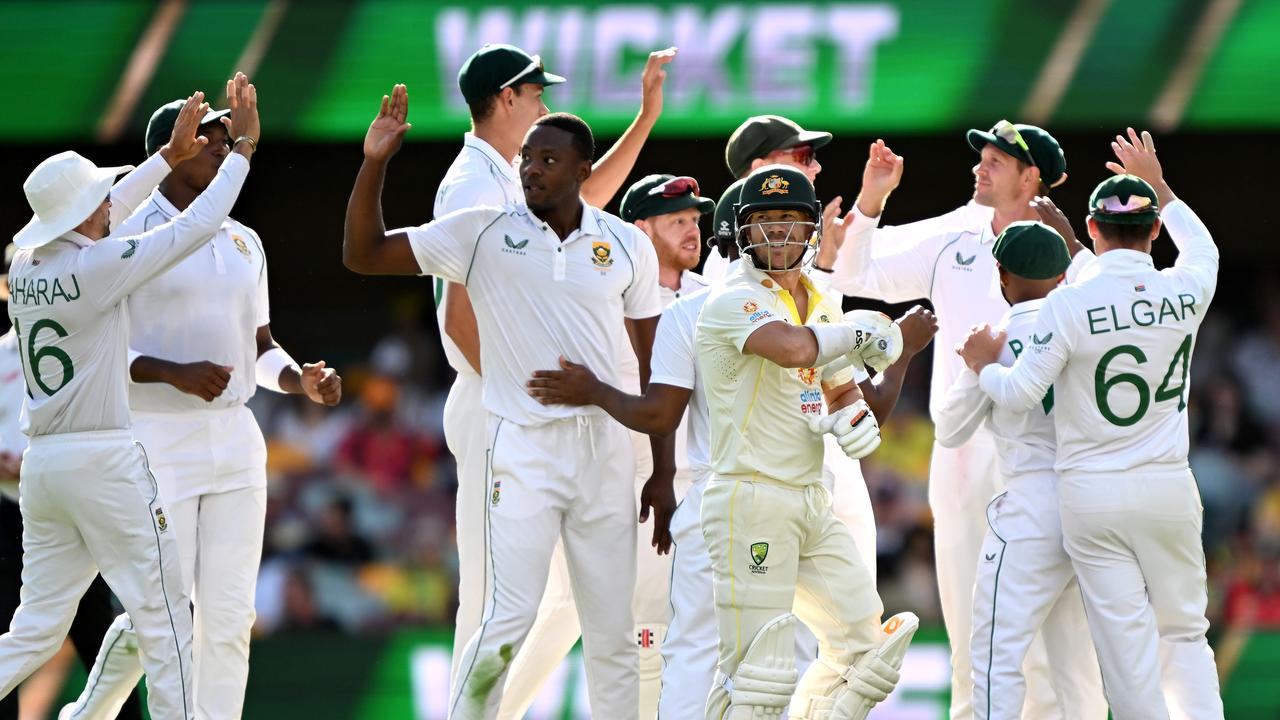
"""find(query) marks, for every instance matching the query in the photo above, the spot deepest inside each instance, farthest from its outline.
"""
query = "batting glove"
(881, 348)
(854, 427)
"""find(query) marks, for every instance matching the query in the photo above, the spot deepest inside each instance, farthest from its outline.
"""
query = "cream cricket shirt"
(759, 412)
(537, 298)
(12, 392)
(478, 177)
(207, 307)
(67, 305)
(1116, 347)
(946, 259)
(1025, 441)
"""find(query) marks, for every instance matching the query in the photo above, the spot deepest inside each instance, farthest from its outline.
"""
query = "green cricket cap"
(1126, 200)
(761, 135)
(1042, 149)
(497, 66)
(160, 126)
(661, 194)
(1032, 250)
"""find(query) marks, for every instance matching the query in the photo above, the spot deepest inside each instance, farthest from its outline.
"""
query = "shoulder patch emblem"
(133, 247)
(775, 185)
(240, 245)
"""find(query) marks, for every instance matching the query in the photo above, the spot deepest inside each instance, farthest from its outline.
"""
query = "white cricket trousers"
(556, 629)
(210, 466)
(962, 481)
(1026, 585)
(90, 505)
(1134, 539)
(777, 549)
(464, 433)
(573, 480)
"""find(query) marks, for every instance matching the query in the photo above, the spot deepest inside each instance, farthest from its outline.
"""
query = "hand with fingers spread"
(855, 427)
(204, 379)
(243, 126)
(386, 132)
(833, 229)
(659, 495)
(880, 177)
(184, 143)
(1053, 217)
(981, 347)
(572, 384)
(1137, 156)
(321, 384)
(655, 74)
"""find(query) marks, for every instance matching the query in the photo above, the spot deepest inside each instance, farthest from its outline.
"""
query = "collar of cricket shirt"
(1117, 262)
(763, 280)
(490, 153)
(1025, 306)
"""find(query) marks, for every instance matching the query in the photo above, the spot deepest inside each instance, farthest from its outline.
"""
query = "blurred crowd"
(360, 518)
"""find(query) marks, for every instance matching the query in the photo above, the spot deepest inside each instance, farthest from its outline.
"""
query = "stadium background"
(356, 591)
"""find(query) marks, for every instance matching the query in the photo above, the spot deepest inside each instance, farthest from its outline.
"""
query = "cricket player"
(89, 500)
(548, 279)
(948, 260)
(1024, 576)
(503, 86)
(96, 610)
(200, 344)
(764, 342)
(1116, 348)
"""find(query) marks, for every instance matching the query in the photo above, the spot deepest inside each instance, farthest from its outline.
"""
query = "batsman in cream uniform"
(89, 501)
(209, 312)
(548, 279)
(1116, 348)
(948, 260)
(1025, 579)
(766, 517)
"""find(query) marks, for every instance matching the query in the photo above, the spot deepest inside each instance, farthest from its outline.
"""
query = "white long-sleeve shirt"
(1116, 347)
(67, 305)
(1025, 441)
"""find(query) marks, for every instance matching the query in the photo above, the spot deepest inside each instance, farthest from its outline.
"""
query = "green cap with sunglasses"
(761, 135)
(1029, 144)
(495, 67)
(661, 194)
(1125, 200)
(1031, 250)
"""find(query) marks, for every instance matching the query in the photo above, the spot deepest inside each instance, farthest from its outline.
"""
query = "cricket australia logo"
(161, 522)
(514, 247)
(963, 263)
(775, 185)
(133, 247)
(759, 551)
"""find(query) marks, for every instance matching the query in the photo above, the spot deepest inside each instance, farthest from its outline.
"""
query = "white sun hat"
(63, 191)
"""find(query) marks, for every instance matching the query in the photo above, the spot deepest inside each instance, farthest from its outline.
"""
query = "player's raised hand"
(243, 122)
(204, 379)
(659, 495)
(833, 230)
(184, 143)
(572, 384)
(386, 132)
(321, 384)
(981, 347)
(1052, 216)
(655, 74)
(918, 327)
(880, 177)
(1137, 156)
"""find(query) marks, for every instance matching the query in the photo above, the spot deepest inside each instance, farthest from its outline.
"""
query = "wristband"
(253, 144)
(819, 268)
(269, 366)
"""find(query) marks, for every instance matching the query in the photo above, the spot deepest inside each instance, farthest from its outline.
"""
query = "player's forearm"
(364, 230)
(883, 391)
(1009, 389)
(611, 170)
(663, 450)
(147, 369)
(636, 412)
(460, 324)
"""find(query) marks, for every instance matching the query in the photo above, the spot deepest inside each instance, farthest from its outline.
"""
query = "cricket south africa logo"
(161, 522)
(240, 245)
(601, 254)
(759, 551)
(512, 246)
(497, 492)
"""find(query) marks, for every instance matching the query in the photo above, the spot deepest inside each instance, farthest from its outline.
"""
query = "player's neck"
(789, 280)
(178, 194)
(669, 276)
(505, 143)
(562, 220)
(1012, 212)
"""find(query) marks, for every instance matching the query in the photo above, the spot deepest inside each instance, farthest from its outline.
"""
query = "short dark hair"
(1125, 234)
(583, 141)
(482, 109)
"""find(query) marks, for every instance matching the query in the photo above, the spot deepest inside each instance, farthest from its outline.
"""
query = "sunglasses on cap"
(536, 64)
(1007, 132)
(803, 154)
(676, 187)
